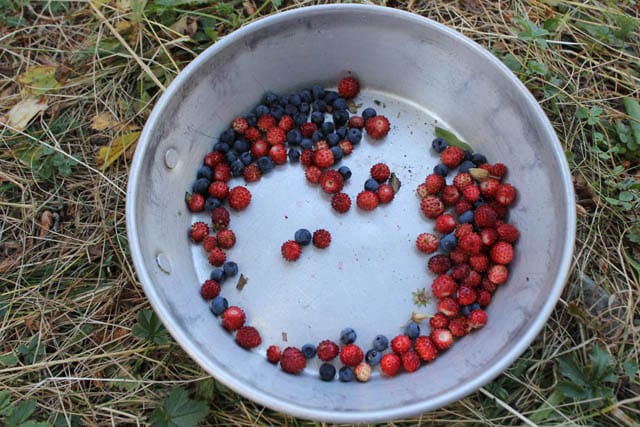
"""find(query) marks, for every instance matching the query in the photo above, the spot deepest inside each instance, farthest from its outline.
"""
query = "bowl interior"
(419, 74)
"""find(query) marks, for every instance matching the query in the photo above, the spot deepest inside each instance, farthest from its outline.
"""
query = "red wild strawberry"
(377, 127)
(479, 262)
(226, 238)
(327, 350)
(462, 180)
(356, 122)
(233, 318)
(443, 286)
(458, 256)
(463, 206)
(448, 306)
(210, 289)
(463, 229)
(248, 337)
(286, 123)
(213, 158)
(380, 172)
(470, 243)
(506, 194)
(240, 125)
(508, 233)
(276, 136)
(488, 236)
(363, 372)
(323, 158)
(217, 257)
(195, 202)
(313, 174)
(400, 344)
(274, 354)
(485, 166)
(489, 188)
(410, 361)
(427, 243)
(306, 158)
(466, 295)
(460, 272)
(239, 198)
(422, 190)
(292, 361)
(432, 206)
(219, 190)
(209, 243)
(291, 250)
(442, 338)
(471, 193)
(367, 200)
(222, 172)
(439, 264)
(439, 321)
(434, 183)
(390, 364)
(321, 238)
(478, 318)
(351, 355)
(498, 274)
(473, 280)
(252, 173)
(501, 253)
(341, 202)
(321, 145)
(499, 170)
(259, 149)
(500, 210)
(484, 298)
(445, 223)
(459, 326)
(348, 87)
(332, 181)
(278, 154)
(307, 129)
(385, 193)
(346, 147)
(450, 195)
(488, 285)
(452, 156)
(266, 122)
(220, 218)
(484, 216)
(199, 230)
(425, 348)
(252, 134)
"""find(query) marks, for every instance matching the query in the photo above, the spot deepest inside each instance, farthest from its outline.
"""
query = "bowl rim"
(330, 415)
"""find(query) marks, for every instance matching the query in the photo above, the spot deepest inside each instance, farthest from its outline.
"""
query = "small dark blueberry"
(448, 242)
(246, 157)
(304, 108)
(465, 310)
(306, 144)
(373, 357)
(438, 145)
(230, 157)
(346, 374)
(412, 330)
(294, 99)
(354, 135)
(227, 136)
(467, 155)
(241, 145)
(230, 269)
(319, 105)
(294, 136)
(340, 117)
(466, 217)
(218, 275)
(291, 110)
(478, 159)
(380, 343)
(327, 127)
(277, 111)
(475, 306)
(270, 98)
(265, 164)
(317, 136)
(282, 101)
(338, 154)
(200, 186)
(204, 172)
(299, 119)
(348, 336)
(317, 117)
(367, 113)
(211, 203)
(466, 165)
(333, 139)
(252, 120)
(330, 96)
(303, 236)
(345, 172)
(371, 184)
(221, 147)
(441, 170)
(261, 110)
(218, 305)
(317, 91)
(305, 95)
(342, 132)
(309, 350)
(478, 203)
(294, 155)
(327, 372)
(340, 104)
(237, 167)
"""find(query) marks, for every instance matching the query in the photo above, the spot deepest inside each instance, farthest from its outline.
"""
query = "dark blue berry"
(218, 275)
(227, 136)
(299, 119)
(448, 242)
(237, 167)
(261, 110)
(305, 96)
(354, 135)
(412, 330)
(367, 113)
(338, 154)
(204, 172)
(438, 145)
(230, 157)
(466, 165)
(380, 343)
(317, 135)
(200, 186)
(465, 217)
(333, 139)
(291, 110)
(341, 132)
(373, 357)
(465, 310)
(241, 145)
(294, 137)
(441, 170)
(277, 111)
(282, 101)
(304, 108)
(246, 157)
(308, 350)
(306, 144)
(252, 120)
(211, 203)
(294, 99)
(340, 117)
(327, 128)
(319, 106)
(478, 203)
(327, 372)
(346, 374)
(330, 96)
(478, 159)
(317, 91)
(221, 147)
(348, 336)
(270, 98)
(345, 172)
(303, 236)
(230, 269)
(265, 164)
(371, 184)
(340, 104)
(218, 305)
(294, 155)
(467, 155)
(475, 306)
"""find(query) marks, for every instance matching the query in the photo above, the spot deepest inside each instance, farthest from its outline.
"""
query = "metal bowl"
(418, 73)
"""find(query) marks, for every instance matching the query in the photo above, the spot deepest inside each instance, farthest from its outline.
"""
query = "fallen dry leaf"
(38, 80)
(102, 121)
(46, 222)
(22, 113)
(111, 152)
(186, 26)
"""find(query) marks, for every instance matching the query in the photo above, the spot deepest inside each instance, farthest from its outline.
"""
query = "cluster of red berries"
(292, 249)
(215, 239)
(379, 191)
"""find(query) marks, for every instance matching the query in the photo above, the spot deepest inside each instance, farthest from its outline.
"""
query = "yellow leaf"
(111, 152)
(102, 121)
(22, 113)
(39, 80)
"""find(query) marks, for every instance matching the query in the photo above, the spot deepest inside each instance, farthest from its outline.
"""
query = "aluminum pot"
(421, 75)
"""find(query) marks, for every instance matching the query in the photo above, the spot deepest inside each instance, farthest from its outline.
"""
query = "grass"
(79, 344)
